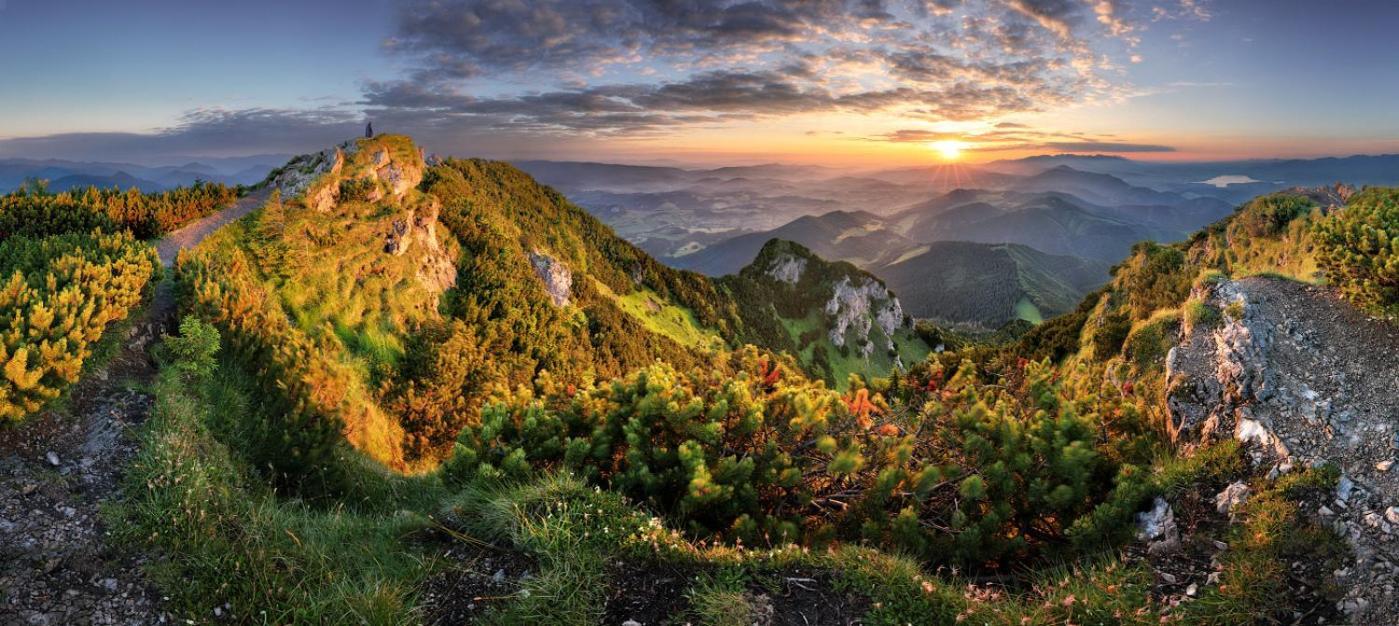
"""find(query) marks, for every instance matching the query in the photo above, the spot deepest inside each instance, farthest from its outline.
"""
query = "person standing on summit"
(369, 130)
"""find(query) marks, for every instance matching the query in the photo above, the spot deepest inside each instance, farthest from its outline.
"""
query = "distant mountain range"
(1267, 175)
(989, 284)
(1031, 249)
(64, 175)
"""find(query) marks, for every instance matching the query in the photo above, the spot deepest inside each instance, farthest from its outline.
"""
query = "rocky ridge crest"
(1301, 378)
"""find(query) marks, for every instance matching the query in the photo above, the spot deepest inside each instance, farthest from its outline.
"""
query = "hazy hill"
(64, 174)
(118, 179)
(1049, 223)
(978, 271)
(857, 237)
(965, 282)
(1103, 189)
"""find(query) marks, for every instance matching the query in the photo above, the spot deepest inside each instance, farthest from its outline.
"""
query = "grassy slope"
(229, 542)
(663, 317)
(227, 538)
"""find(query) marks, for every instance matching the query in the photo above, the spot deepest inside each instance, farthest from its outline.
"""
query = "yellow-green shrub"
(59, 296)
(1359, 248)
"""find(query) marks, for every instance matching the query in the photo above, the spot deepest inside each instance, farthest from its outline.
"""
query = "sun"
(950, 149)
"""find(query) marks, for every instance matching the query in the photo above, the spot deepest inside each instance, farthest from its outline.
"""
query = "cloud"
(1191, 10)
(203, 132)
(1055, 16)
(706, 98)
(468, 37)
(637, 67)
(1104, 146)
(1008, 136)
(547, 72)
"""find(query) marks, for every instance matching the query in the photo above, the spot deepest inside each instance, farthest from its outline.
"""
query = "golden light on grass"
(949, 149)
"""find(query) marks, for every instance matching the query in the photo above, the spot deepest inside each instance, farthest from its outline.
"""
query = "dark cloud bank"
(599, 69)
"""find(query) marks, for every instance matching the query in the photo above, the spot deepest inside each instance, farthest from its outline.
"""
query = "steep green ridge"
(836, 318)
(965, 282)
(400, 295)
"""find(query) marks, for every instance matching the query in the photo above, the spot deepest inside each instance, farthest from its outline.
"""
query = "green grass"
(229, 541)
(909, 348)
(663, 317)
(223, 538)
(1026, 310)
(1200, 314)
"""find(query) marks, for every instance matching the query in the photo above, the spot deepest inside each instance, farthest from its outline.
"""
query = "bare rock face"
(787, 268)
(1301, 378)
(859, 306)
(296, 177)
(438, 271)
(318, 178)
(1157, 526)
(417, 227)
(558, 280)
(398, 239)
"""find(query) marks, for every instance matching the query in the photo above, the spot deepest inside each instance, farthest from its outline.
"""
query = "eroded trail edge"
(58, 562)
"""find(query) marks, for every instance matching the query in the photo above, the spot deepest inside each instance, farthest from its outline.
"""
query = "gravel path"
(1306, 378)
(58, 468)
(192, 234)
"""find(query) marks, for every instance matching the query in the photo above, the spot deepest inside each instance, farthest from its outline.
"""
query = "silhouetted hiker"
(369, 130)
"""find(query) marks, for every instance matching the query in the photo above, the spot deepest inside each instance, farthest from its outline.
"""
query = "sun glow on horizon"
(948, 149)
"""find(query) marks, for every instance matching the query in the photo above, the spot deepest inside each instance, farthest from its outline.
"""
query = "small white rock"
(1191, 590)
(52, 458)
(1371, 519)
(1392, 514)
(1231, 498)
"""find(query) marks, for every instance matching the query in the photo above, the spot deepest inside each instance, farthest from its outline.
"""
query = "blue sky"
(839, 81)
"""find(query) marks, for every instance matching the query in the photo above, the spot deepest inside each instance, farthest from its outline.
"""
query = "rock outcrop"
(787, 268)
(859, 305)
(558, 280)
(384, 170)
(371, 167)
(1301, 378)
(295, 178)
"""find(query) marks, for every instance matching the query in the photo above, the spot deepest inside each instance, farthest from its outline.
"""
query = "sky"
(840, 82)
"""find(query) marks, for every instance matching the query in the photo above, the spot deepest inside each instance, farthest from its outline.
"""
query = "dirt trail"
(57, 469)
(1304, 378)
(192, 234)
